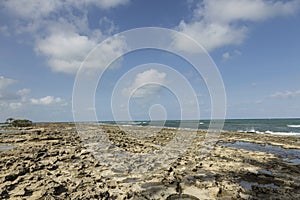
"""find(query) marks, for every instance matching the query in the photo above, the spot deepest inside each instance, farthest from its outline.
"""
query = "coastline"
(50, 160)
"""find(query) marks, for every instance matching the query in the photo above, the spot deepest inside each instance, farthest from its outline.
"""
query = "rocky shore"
(53, 161)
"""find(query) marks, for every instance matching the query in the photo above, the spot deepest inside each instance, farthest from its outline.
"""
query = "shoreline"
(50, 160)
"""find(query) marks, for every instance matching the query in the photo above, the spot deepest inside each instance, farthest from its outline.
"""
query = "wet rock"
(181, 196)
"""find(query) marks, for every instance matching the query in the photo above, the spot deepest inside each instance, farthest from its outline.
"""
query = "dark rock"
(4, 194)
(59, 190)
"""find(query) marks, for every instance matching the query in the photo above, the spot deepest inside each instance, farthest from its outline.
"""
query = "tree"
(21, 123)
(9, 120)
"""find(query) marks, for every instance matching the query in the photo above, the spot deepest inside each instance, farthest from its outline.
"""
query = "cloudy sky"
(254, 44)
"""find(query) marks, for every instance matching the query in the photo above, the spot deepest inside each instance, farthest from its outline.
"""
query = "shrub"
(21, 123)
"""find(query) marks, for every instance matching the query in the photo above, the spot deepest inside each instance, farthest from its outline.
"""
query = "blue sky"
(254, 44)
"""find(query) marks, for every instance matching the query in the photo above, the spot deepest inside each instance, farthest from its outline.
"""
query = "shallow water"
(181, 196)
(248, 185)
(290, 155)
(7, 131)
(6, 147)
(296, 160)
(263, 171)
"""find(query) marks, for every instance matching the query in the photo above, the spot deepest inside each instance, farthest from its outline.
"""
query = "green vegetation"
(9, 120)
(18, 122)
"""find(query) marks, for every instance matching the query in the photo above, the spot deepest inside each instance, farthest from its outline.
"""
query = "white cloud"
(107, 25)
(106, 4)
(8, 95)
(36, 17)
(226, 56)
(210, 35)
(46, 100)
(216, 23)
(5, 82)
(23, 92)
(35, 9)
(31, 8)
(230, 55)
(65, 39)
(66, 52)
(146, 84)
(286, 94)
(247, 10)
(15, 105)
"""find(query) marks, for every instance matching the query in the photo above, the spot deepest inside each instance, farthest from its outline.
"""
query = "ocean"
(260, 126)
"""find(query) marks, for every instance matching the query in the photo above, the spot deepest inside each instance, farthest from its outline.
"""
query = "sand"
(53, 161)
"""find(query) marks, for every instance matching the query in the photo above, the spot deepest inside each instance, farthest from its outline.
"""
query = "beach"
(55, 161)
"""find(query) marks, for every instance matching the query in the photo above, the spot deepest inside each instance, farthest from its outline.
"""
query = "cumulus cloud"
(46, 100)
(66, 47)
(65, 40)
(66, 52)
(17, 103)
(7, 94)
(29, 9)
(217, 23)
(210, 35)
(145, 84)
(34, 9)
(23, 92)
(5, 82)
(107, 25)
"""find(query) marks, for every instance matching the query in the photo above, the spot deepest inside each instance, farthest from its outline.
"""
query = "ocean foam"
(283, 133)
(293, 125)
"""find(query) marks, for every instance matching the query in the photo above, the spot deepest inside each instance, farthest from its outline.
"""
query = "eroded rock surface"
(51, 161)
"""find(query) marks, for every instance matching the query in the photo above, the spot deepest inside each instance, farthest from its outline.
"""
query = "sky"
(44, 45)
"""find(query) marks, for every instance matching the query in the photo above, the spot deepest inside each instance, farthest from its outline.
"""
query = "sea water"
(262, 126)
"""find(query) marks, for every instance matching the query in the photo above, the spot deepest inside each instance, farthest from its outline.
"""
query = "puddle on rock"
(248, 185)
(151, 184)
(289, 154)
(6, 147)
(263, 171)
(296, 160)
(181, 197)
(130, 180)
(8, 131)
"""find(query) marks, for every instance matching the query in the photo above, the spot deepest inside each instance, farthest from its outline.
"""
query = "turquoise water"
(270, 126)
